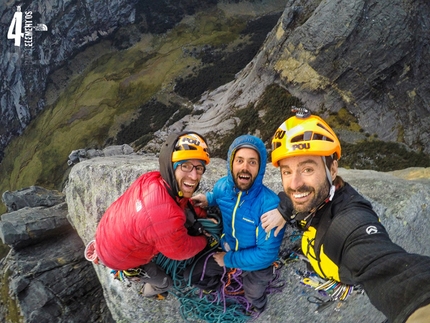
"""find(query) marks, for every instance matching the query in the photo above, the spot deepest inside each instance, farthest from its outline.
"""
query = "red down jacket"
(143, 222)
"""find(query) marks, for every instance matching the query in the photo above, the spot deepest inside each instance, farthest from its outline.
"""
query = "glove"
(195, 229)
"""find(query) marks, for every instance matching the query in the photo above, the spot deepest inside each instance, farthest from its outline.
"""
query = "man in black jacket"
(342, 236)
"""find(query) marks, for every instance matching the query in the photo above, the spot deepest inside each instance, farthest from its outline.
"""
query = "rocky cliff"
(25, 69)
(370, 57)
(99, 86)
(47, 260)
(44, 277)
(126, 72)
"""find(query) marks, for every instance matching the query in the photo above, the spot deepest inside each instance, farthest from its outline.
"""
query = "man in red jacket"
(155, 215)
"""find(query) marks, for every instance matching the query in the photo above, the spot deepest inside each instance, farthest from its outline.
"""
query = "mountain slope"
(120, 86)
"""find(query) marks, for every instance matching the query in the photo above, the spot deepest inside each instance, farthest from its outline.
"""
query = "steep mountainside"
(368, 57)
(129, 72)
(97, 97)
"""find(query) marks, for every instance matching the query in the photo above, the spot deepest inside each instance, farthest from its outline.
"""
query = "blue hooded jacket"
(247, 245)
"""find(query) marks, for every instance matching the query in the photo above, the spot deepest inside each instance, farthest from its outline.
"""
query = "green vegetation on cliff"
(274, 107)
(114, 101)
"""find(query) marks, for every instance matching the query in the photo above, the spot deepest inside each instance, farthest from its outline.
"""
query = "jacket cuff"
(285, 207)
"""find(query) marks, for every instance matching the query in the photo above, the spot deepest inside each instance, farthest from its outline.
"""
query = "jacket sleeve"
(216, 191)
(172, 238)
(210, 198)
(396, 282)
(285, 206)
(200, 213)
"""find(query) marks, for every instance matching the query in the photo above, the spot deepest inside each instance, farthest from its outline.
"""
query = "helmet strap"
(330, 181)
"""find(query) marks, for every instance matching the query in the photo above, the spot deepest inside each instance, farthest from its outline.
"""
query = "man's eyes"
(251, 162)
(303, 171)
(186, 166)
(307, 170)
(190, 167)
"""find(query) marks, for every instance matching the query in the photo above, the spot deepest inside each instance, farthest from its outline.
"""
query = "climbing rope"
(196, 304)
(228, 304)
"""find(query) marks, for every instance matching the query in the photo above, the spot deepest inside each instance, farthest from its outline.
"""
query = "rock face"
(72, 25)
(30, 197)
(403, 206)
(47, 277)
(368, 56)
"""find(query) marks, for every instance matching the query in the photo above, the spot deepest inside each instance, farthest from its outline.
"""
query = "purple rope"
(275, 286)
(223, 289)
(205, 264)
(215, 294)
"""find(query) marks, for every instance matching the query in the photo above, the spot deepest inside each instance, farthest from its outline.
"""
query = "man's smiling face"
(245, 167)
(305, 181)
(188, 181)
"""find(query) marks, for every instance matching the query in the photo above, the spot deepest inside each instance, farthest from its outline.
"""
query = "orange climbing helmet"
(190, 146)
(304, 134)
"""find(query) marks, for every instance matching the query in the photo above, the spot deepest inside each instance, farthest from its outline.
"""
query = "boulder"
(31, 196)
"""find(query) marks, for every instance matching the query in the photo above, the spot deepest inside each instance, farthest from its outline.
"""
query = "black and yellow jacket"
(347, 242)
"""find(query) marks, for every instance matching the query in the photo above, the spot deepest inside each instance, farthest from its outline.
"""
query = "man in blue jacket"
(242, 199)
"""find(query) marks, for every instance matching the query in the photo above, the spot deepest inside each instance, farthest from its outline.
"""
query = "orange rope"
(227, 292)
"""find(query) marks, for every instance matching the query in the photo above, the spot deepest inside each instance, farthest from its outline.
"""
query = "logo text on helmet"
(191, 141)
(279, 134)
(301, 146)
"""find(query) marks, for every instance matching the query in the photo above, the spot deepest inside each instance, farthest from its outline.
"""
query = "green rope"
(196, 305)
(193, 307)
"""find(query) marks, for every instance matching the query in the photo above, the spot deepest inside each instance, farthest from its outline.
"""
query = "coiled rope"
(195, 304)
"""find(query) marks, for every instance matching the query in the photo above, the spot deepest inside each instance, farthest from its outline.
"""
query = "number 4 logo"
(15, 28)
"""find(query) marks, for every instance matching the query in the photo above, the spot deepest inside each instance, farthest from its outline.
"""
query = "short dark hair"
(329, 161)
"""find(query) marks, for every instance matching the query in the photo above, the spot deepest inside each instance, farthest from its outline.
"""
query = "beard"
(320, 194)
(243, 186)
